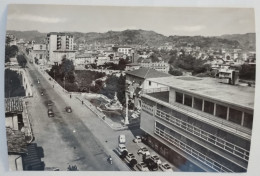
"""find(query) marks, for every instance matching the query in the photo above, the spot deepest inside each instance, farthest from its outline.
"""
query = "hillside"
(29, 35)
(204, 42)
(248, 41)
(151, 38)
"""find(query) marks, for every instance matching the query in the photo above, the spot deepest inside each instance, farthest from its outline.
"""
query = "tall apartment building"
(199, 124)
(60, 45)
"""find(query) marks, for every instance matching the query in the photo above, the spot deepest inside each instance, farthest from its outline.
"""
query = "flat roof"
(211, 88)
(147, 73)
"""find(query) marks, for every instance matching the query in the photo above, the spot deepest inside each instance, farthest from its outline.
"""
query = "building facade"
(60, 45)
(159, 66)
(198, 125)
(39, 51)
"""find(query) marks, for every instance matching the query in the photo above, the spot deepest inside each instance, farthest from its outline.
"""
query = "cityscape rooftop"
(211, 88)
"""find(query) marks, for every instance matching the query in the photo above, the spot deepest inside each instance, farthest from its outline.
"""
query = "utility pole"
(126, 109)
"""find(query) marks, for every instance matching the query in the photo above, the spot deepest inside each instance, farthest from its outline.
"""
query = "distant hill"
(204, 42)
(28, 35)
(151, 38)
(127, 37)
(248, 40)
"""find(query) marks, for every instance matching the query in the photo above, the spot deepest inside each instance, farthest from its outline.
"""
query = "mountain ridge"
(150, 38)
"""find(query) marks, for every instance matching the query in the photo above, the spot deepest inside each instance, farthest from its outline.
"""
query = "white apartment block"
(60, 45)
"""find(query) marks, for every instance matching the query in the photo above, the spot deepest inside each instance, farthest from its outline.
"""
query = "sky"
(163, 20)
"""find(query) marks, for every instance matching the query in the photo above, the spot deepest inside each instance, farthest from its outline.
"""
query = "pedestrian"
(82, 102)
(70, 95)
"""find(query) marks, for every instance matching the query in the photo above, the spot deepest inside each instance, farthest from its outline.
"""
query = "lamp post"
(64, 82)
(126, 110)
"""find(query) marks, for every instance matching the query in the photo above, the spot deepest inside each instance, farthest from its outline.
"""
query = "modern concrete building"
(159, 66)
(84, 59)
(199, 124)
(125, 49)
(60, 45)
(137, 80)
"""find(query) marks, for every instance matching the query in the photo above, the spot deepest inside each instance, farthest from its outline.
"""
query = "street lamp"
(126, 110)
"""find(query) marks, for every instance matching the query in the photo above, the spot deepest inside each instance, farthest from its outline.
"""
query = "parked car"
(156, 159)
(143, 151)
(151, 164)
(68, 109)
(49, 103)
(137, 139)
(50, 113)
(122, 139)
(121, 148)
(142, 166)
(129, 157)
(165, 167)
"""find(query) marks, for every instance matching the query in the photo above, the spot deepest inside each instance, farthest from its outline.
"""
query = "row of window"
(217, 110)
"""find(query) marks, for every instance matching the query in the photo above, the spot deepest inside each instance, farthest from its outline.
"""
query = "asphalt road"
(65, 138)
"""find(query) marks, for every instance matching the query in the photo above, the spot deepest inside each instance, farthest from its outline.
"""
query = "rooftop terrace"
(211, 88)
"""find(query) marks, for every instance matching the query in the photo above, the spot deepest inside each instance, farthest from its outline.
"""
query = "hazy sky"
(167, 21)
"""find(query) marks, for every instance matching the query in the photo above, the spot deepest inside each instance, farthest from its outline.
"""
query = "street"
(77, 138)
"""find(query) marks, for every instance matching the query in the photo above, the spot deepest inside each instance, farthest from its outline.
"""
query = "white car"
(142, 166)
(129, 157)
(143, 150)
(165, 167)
(122, 139)
(156, 159)
(137, 139)
(121, 148)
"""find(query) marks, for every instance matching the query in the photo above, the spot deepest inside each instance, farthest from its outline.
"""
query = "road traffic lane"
(82, 145)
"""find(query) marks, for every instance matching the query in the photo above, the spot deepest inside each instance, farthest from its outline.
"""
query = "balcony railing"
(213, 139)
(154, 90)
(192, 152)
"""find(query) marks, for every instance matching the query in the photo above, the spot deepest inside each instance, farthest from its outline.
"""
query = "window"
(248, 120)
(208, 107)
(235, 116)
(221, 111)
(188, 100)
(179, 97)
(197, 104)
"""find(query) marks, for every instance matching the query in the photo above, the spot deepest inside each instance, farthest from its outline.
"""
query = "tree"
(21, 60)
(175, 72)
(154, 58)
(10, 51)
(67, 69)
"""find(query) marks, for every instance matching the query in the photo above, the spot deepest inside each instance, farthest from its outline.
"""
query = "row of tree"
(64, 71)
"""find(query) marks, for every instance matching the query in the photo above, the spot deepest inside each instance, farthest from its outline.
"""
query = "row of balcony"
(192, 152)
(190, 128)
(213, 139)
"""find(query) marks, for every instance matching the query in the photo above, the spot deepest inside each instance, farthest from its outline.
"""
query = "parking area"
(133, 148)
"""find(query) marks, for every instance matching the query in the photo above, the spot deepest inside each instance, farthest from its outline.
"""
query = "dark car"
(68, 109)
(50, 113)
